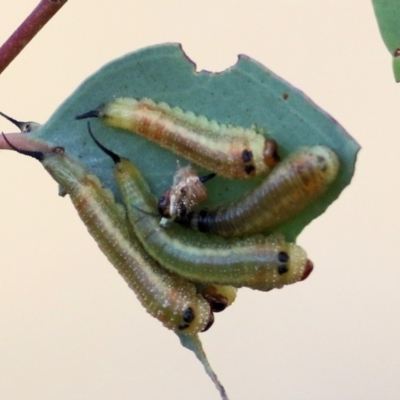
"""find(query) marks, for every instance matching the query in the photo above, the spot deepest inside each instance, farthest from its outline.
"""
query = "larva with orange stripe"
(294, 184)
(168, 297)
(257, 262)
(230, 151)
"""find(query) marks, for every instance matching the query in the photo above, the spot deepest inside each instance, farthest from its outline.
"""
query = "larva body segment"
(229, 151)
(293, 185)
(255, 262)
(169, 298)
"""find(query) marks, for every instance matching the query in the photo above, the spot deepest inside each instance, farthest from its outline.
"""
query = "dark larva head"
(219, 296)
(271, 156)
(217, 302)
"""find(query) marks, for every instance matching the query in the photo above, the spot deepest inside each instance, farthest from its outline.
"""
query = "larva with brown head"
(229, 151)
(257, 262)
(168, 297)
(294, 184)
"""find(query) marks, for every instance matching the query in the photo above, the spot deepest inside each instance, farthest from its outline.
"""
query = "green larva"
(229, 151)
(168, 297)
(294, 184)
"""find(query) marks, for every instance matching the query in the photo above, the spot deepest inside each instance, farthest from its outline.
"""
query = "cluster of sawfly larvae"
(180, 275)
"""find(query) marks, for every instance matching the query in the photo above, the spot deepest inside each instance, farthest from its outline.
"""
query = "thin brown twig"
(38, 18)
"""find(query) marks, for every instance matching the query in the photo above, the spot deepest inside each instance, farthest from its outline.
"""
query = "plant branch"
(38, 18)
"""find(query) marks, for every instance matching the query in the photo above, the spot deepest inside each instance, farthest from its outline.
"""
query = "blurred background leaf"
(387, 13)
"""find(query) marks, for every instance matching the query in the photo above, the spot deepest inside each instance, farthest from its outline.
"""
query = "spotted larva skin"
(256, 262)
(229, 151)
(293, 185)
(169, 298)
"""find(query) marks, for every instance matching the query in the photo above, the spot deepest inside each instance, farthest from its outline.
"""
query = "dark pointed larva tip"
(18, 124)
(204, 179)
(271, 155)
(38, 155)
(89, 114)
(115, 157)
(216, 301)
(307, 270)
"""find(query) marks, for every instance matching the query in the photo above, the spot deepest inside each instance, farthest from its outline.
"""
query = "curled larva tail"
(230, 151)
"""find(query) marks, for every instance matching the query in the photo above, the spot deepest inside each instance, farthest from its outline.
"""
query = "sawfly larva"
(168, 297)
(257, 262)
(294, 184)
(230, 151)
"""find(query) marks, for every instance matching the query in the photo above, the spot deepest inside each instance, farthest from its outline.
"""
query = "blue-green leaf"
(387, 13)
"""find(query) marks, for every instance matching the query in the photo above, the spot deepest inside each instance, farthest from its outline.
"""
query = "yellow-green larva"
(257, 262)
(230, 151)
(170, 298)
(294, 184)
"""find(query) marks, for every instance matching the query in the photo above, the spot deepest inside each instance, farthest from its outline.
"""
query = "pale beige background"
(69, 326)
